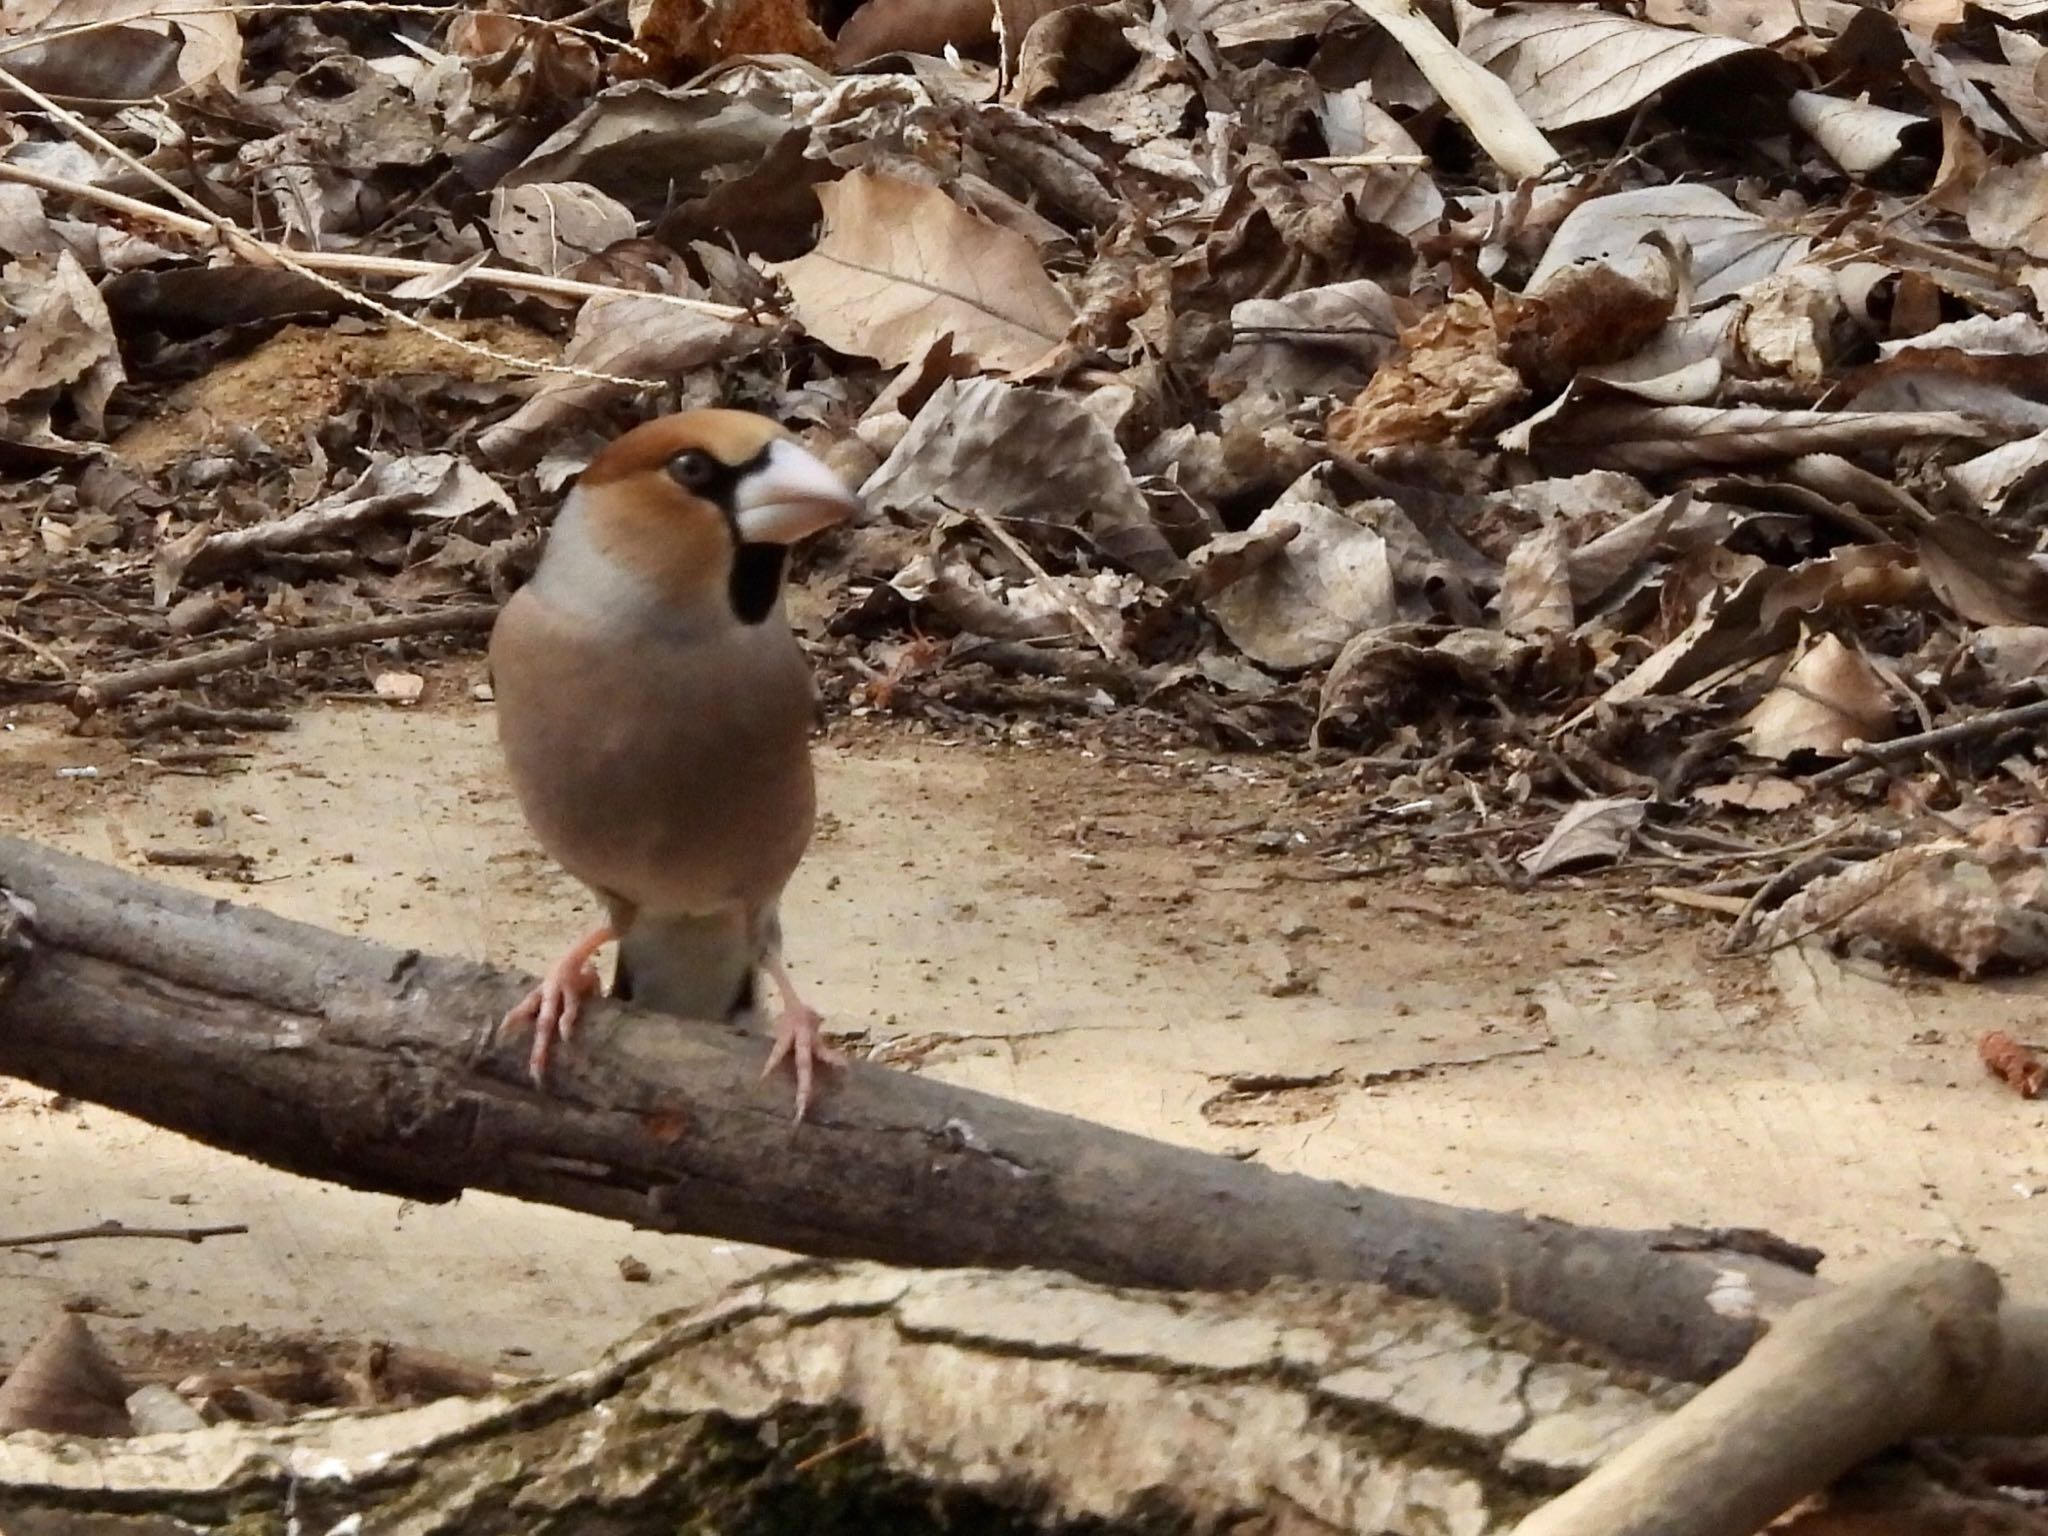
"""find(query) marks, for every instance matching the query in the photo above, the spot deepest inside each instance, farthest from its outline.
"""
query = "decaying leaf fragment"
(1450, 380)
(1946, 902)
(1761, 792)
(1591, 314)
(1317, 341)
(427, 487)
(65, 1385)
(677, 37)
(62, 346)
(901, 264)
(2018, 1066)
(913, 26)
(1589, 832)
(2012, 655)
(1855, 576)
(1827, 699)
(551, 226)
(1588, 428)
(136, 50)
(1536, 584)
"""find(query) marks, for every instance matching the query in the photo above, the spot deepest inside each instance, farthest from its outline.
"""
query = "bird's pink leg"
(797, 1035)
(553, 1007)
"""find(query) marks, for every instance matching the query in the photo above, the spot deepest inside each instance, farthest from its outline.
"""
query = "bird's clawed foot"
(800, 1040)
(553, 1007)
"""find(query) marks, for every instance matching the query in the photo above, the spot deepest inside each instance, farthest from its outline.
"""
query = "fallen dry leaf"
(1761, 792)
(1859, 136)
(1982, 576)
(1729, 247)
(551, 226)
(65, 1384)
(1325, 583)
(1573, 65)
(1536, 584)
(913, 26)
(2009, 207)
(425, 487)
(1027, 456)
(901, 264)
(1590, 832)
(149, 55)
(2013, 656)
(624, 336)
(1858, 576)
(1588, 430)
(2026, 828)
(63, 345)
(1827, 699)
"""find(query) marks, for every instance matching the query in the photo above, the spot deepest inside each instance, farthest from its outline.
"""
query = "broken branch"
(1916, 1349)
(1990, 723)
(116, 1229)
(97, 692)
(351, 1061)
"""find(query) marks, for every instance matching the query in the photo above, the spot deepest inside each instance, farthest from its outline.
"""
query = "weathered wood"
(856, 1399)
(366, 1065)
(842, 1399)
(1921, 1348)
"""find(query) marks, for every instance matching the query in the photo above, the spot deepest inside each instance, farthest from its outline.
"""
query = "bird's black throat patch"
(756, 580)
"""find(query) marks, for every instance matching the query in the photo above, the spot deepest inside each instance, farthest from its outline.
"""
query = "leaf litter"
(1579, 439)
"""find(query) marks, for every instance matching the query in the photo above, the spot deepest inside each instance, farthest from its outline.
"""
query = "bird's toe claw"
(798, 1041)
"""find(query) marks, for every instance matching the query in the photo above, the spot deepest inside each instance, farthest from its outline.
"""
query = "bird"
(654, 712)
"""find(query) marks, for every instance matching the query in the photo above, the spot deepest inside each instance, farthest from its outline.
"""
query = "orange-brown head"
(703, 505)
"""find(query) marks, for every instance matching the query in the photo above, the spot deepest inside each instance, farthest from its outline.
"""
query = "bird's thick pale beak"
(790, 497)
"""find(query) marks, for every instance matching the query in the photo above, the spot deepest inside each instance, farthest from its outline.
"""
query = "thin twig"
(97, 692)
(356, 264)
(1987, 724)
(267, 253)
(830, 1451)
(1089, 623)
(116, 1229)
(198, 858)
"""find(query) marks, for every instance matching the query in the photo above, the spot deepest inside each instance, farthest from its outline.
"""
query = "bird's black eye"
(695, 470)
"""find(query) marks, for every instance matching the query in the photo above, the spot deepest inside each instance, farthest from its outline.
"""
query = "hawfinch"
(655, 713)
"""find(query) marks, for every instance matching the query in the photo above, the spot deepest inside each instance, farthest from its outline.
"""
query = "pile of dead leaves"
(1624, 414)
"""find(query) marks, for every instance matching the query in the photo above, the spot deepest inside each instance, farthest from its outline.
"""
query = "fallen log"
(832, 1399)
(844, 1399)
(369, 1066)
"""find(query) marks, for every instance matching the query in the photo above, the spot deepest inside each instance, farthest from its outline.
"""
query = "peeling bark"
(858, 1399)
(366, 1065)
(844, 1400)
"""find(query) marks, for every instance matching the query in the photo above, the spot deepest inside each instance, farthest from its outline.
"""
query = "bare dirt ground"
(1087, 933)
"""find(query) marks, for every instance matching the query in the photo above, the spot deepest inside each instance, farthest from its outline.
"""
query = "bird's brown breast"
(672, 770)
